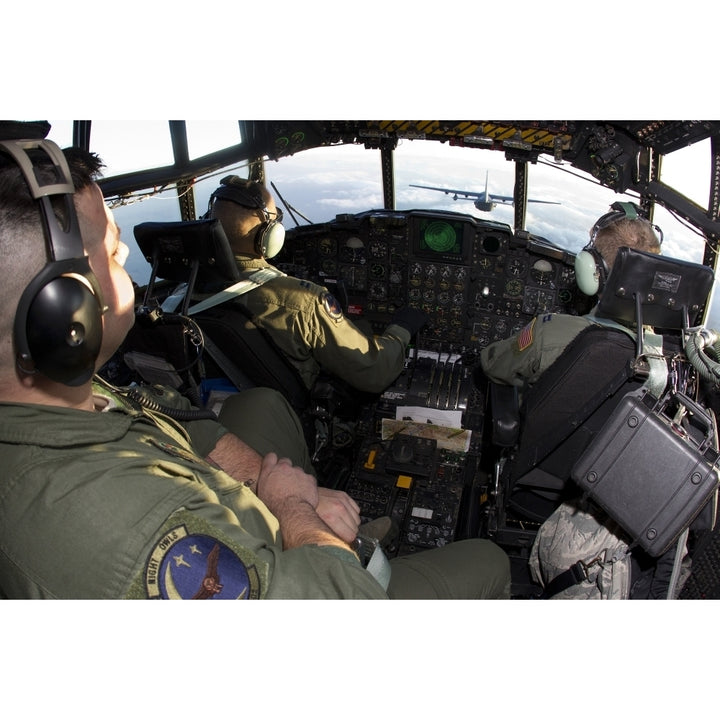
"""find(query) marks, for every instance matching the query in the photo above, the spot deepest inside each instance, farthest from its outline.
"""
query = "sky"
(323, 182)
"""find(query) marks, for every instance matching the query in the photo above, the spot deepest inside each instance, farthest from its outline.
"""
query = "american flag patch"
(525, 337)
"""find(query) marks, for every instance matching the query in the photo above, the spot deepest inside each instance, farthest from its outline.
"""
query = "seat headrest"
(669, 290)
(176, 246)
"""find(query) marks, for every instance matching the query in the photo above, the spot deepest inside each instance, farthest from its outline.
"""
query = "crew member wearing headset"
(104, 497)
(303, 319)
(521, 359)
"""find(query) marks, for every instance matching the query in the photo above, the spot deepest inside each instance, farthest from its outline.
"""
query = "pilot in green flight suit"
(121, 504)
(304, 320)
(521, 359)
(172, 525)
(102, 497)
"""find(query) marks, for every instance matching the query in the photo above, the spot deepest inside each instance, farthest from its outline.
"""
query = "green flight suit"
(117, 504)
(120, 504)
(305, 321)
(521, 359)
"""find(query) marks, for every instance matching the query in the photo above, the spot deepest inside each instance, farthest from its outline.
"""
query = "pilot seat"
(537, 441)
(220, 350)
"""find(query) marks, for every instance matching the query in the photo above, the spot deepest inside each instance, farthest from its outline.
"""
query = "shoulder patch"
(194, 566)
(332, 306)
(525, 337)
(192, 562)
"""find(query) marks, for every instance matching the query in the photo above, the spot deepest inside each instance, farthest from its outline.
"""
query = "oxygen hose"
(697, 343)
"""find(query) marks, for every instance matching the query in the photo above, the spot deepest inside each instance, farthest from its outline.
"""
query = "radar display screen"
(440, 238)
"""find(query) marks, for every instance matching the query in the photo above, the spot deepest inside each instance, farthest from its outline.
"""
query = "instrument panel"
(477, 280)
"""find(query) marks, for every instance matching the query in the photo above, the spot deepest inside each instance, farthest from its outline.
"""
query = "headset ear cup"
(64, 330)
(269, 239)
(589, 271)
(275, 239)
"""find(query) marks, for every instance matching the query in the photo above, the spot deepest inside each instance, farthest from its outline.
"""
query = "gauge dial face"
(326, 246)
(542, 272)
(516, 267)
(378, 249)
(513, 288)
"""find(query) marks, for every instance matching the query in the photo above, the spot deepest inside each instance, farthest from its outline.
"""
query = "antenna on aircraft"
(289, 207)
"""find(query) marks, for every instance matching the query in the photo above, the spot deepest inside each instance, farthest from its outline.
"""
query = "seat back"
(186, 252)
(649, 289)
(569, 404)
(563, 412)
(196, 252)
(239, 340)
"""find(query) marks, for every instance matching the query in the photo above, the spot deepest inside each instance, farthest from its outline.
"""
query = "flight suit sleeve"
(231, 549)
(341, 348)
(521, 359)
(515, 360)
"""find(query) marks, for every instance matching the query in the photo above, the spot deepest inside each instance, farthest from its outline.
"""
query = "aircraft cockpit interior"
(425, 451)
(435, 450)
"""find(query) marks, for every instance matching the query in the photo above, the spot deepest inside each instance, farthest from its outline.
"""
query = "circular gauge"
(377, 270)
(414, 294)
(378, 249)
(377, 291)
(439, 236)
(501, 330)
(443, 298)
(484, 263)
(429, 296)
(542, 272)
(516, 267)
(513, 288)
(326, 246)
(565, 296)
(445, 271)
(395, 277)
(461, 274)
(354, 250)
(329, 267)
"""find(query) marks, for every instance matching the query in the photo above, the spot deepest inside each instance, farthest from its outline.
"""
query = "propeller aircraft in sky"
(484, 201)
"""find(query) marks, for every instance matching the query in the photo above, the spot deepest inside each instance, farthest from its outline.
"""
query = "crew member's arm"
(292, 496)
(367, 363)
(336, 508)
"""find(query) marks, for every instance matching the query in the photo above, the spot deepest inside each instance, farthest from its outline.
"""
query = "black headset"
(591, 270)
(270, 235)
(58, 321)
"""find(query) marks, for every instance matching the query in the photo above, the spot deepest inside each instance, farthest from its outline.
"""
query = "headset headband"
(270, 234)
(58, 320)
(63, 243)
(622, 211)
